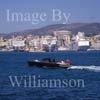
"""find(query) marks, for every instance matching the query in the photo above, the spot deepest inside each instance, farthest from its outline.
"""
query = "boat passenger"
(62, 62)
(68, 62)
(49, 60)
(54, 60)
(36, 60)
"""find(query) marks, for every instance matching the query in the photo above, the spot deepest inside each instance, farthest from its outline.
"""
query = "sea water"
(85, 67)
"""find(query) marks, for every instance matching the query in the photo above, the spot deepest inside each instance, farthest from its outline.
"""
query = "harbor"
(61, 40)
(49, 50)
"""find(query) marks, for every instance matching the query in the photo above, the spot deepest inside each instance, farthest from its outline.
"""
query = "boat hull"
(48, 64)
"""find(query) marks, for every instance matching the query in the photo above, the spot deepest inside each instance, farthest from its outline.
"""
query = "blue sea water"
(86, 66)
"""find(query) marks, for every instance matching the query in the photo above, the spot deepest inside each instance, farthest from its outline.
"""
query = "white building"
(83, 43)
(80, 36)
(63, 34)
(18, 43)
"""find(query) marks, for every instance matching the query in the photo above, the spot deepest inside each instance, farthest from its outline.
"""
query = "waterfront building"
(95, 43)
(80, 36)
(60, 41)
(83, 43)
(18, 43)
(64, 36)
(63, 39)
(3, 44)
(48, 42)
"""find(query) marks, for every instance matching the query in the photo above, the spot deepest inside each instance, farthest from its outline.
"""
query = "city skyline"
(76, 11)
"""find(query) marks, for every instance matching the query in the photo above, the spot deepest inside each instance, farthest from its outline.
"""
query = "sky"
(52, 12)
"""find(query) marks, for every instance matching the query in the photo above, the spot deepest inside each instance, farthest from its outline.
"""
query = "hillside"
(88, 28)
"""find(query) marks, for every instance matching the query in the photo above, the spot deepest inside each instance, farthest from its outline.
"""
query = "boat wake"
(92, 68)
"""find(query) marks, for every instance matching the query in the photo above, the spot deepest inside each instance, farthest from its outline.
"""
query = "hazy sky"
(75, 10)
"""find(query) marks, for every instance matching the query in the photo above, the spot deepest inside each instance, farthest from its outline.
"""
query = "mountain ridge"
(88, 28)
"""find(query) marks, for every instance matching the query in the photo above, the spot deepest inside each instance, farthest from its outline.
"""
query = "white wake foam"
(92, 68)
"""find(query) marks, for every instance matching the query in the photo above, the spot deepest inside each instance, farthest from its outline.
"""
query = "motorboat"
(48, 64)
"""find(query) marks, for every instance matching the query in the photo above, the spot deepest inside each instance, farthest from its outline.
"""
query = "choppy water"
(86, 66)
